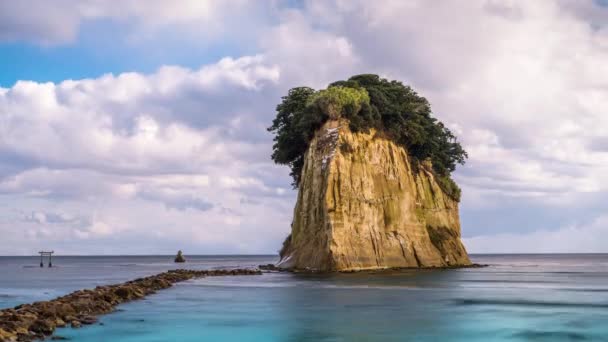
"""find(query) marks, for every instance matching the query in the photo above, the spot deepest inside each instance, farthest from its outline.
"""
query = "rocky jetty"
(29, 322)
(364, 204)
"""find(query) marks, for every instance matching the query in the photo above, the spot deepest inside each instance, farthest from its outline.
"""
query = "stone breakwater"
(36, 321)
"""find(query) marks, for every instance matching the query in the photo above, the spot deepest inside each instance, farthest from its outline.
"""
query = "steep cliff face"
(361, 205)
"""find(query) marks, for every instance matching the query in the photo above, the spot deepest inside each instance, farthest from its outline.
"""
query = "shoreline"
(38, 320)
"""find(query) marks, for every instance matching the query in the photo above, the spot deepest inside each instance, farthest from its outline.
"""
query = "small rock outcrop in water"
(362, 204)
(30, 322)
(180, 257)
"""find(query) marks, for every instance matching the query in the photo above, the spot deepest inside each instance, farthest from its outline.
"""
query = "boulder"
(7, 336)
(88, 320)
(43, 326)
(179, 257)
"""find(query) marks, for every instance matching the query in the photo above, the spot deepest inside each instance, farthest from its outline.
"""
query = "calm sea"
(516, 298)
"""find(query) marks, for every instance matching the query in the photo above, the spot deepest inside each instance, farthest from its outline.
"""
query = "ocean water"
(515, 298)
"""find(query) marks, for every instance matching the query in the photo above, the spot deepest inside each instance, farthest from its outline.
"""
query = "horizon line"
(274, 255)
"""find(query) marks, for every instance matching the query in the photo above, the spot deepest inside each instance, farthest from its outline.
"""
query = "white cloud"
(59, 22)
(308, 56)
(589, 238)
(89, 147)
(108, 122)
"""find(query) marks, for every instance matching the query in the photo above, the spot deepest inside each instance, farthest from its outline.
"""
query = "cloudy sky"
(139, 128)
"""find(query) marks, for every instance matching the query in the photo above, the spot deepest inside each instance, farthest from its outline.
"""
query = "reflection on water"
(516, 298)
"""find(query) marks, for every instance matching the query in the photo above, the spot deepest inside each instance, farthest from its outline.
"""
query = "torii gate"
(49, 254)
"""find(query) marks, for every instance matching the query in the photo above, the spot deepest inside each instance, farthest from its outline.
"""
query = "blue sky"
(99, 49)
(151, 135)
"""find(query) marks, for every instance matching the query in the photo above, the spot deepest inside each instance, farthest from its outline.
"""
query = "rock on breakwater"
(28, 322)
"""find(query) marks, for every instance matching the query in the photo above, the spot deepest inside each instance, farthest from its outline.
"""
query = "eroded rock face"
(362, 205)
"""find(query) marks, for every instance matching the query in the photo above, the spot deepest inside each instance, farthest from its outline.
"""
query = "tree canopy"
(367, 101)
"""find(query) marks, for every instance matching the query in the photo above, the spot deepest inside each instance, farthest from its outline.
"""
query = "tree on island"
(367, 101)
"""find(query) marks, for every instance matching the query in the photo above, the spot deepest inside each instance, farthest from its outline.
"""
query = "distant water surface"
(516, 298)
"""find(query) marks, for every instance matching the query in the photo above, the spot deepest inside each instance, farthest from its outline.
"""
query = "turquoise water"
(516, 298)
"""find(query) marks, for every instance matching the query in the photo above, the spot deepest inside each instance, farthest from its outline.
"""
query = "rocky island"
(372, 167)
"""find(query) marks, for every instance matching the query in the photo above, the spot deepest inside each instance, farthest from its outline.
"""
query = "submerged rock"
(363, 204)
(269, 267)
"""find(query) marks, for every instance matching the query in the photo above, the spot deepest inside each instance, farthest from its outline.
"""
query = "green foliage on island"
(367, 101)
(439, 235)
(447, 184)
(337, 101)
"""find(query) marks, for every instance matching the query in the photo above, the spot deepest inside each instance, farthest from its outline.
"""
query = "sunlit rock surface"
(362, 205)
